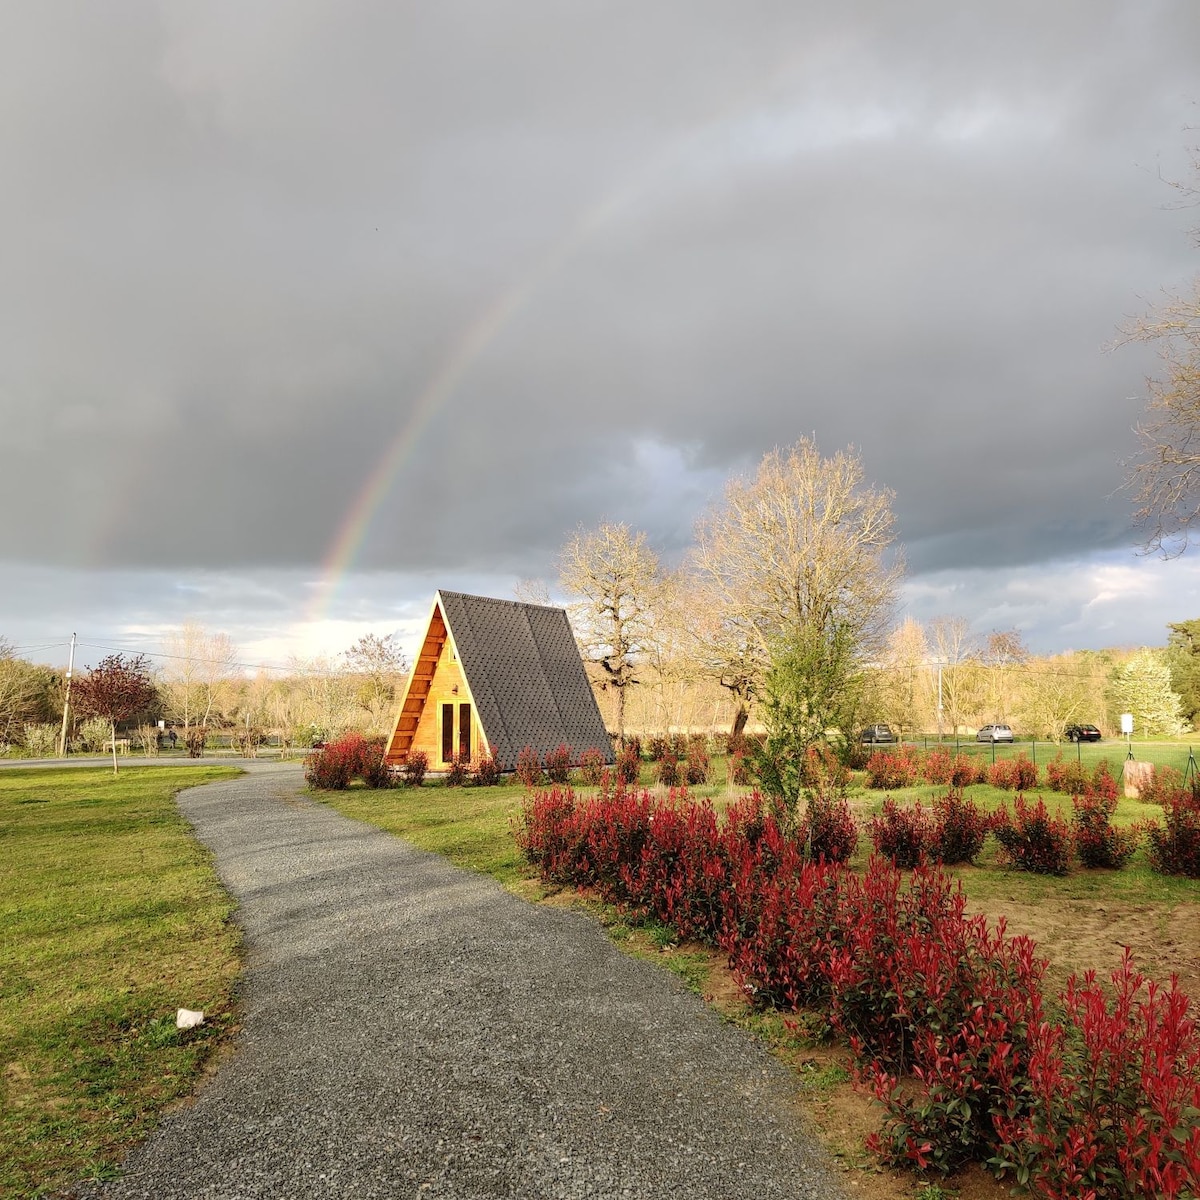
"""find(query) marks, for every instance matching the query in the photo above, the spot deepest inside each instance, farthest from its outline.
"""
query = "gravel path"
(412, 1030)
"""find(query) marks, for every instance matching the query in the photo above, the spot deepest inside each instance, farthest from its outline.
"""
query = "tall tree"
(1062, 690)
(959, 698)
(617, 577)
(1183, 659)
(903, 686)
(29, 694)
(1141, 685)
(117, 689)
(1166, 474)
(796, 561)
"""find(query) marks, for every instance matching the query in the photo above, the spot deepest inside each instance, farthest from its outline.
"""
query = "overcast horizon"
(309, 310)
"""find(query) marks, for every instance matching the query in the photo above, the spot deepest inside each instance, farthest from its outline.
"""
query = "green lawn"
(111, 918)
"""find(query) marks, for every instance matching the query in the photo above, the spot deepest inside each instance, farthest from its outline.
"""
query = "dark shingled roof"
(526, 677)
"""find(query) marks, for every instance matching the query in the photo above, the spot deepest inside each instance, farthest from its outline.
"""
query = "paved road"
(412, 1030)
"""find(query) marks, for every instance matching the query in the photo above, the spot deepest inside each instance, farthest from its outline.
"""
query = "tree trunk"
(620, 690)
(739, 719)
(114, 746)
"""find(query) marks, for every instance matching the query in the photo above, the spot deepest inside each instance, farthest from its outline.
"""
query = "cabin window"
(447, 732)
(464, 731)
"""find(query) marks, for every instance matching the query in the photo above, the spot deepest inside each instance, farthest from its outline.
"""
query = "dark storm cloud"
(243, 242)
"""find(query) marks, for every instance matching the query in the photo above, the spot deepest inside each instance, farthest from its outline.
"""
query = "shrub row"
(953, 830)
(945, 1013)
(906, 766)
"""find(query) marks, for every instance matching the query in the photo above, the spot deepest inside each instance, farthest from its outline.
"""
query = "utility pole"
(62, 740)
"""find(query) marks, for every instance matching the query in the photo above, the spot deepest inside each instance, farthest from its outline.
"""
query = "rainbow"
(487, 327)
(470, 345)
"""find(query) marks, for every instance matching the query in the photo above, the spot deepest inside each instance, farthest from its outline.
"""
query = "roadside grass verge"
(111, 918)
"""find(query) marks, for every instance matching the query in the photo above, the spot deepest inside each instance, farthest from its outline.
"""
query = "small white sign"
(1127, 723)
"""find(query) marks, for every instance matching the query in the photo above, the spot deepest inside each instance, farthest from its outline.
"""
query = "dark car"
(995, 733)
(877, 734)
(1082, 733)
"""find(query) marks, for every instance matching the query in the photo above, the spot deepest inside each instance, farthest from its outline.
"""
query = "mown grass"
(111, 918)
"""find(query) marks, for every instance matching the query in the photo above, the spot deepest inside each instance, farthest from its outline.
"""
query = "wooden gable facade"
(492, 677)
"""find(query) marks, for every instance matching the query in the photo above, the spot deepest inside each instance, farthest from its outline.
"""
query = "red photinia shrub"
(887, 769)
(351, 757)
(528, 767)
(963, 771)
(659, 748)
(1175, 848)
(667, 770)
(412, 770)
(827, 828)
(697, 763)
(1032, 840)
(1163, 785)
(558, 764)
(1013, 774)
(937, 766)
(329, 772)
(823, 771)
(629, 764)
(901, 835)
(1114, 1104)
(458, 771)
(591, 766)
(959, 829)
(975, 1004)
(1072, 777)
(1066, 776)
(546, 834)
(486, 771)
(1102, 781)
(1097, 842)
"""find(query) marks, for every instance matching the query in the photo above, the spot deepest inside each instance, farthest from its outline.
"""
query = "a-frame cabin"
(492, 677)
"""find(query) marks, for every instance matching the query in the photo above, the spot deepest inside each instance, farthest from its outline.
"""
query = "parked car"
(995, 733)
(1082, 733)
(877, 734)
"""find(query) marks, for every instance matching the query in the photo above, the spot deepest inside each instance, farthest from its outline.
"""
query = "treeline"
(202, 691)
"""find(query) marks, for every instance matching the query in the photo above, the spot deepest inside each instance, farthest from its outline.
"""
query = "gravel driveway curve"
(412, 1030)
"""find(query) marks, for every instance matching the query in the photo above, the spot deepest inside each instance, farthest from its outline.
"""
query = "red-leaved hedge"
(945, 1012)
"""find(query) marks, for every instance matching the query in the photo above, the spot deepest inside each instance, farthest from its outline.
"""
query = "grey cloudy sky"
(308, 308)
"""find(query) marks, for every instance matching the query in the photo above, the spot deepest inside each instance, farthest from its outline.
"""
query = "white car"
(995, 733)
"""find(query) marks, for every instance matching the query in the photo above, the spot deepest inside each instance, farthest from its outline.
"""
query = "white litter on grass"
(185, 1018)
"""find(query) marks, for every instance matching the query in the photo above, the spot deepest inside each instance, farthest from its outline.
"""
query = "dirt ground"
(1074, 935)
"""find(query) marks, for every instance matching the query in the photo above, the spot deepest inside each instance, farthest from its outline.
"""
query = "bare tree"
(531, 591)
(903, 690)
(955, 660)
(1165, 476)
(796, 564)
(617, 577)
(1003, 654)
(378, 666)
(199, 667)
